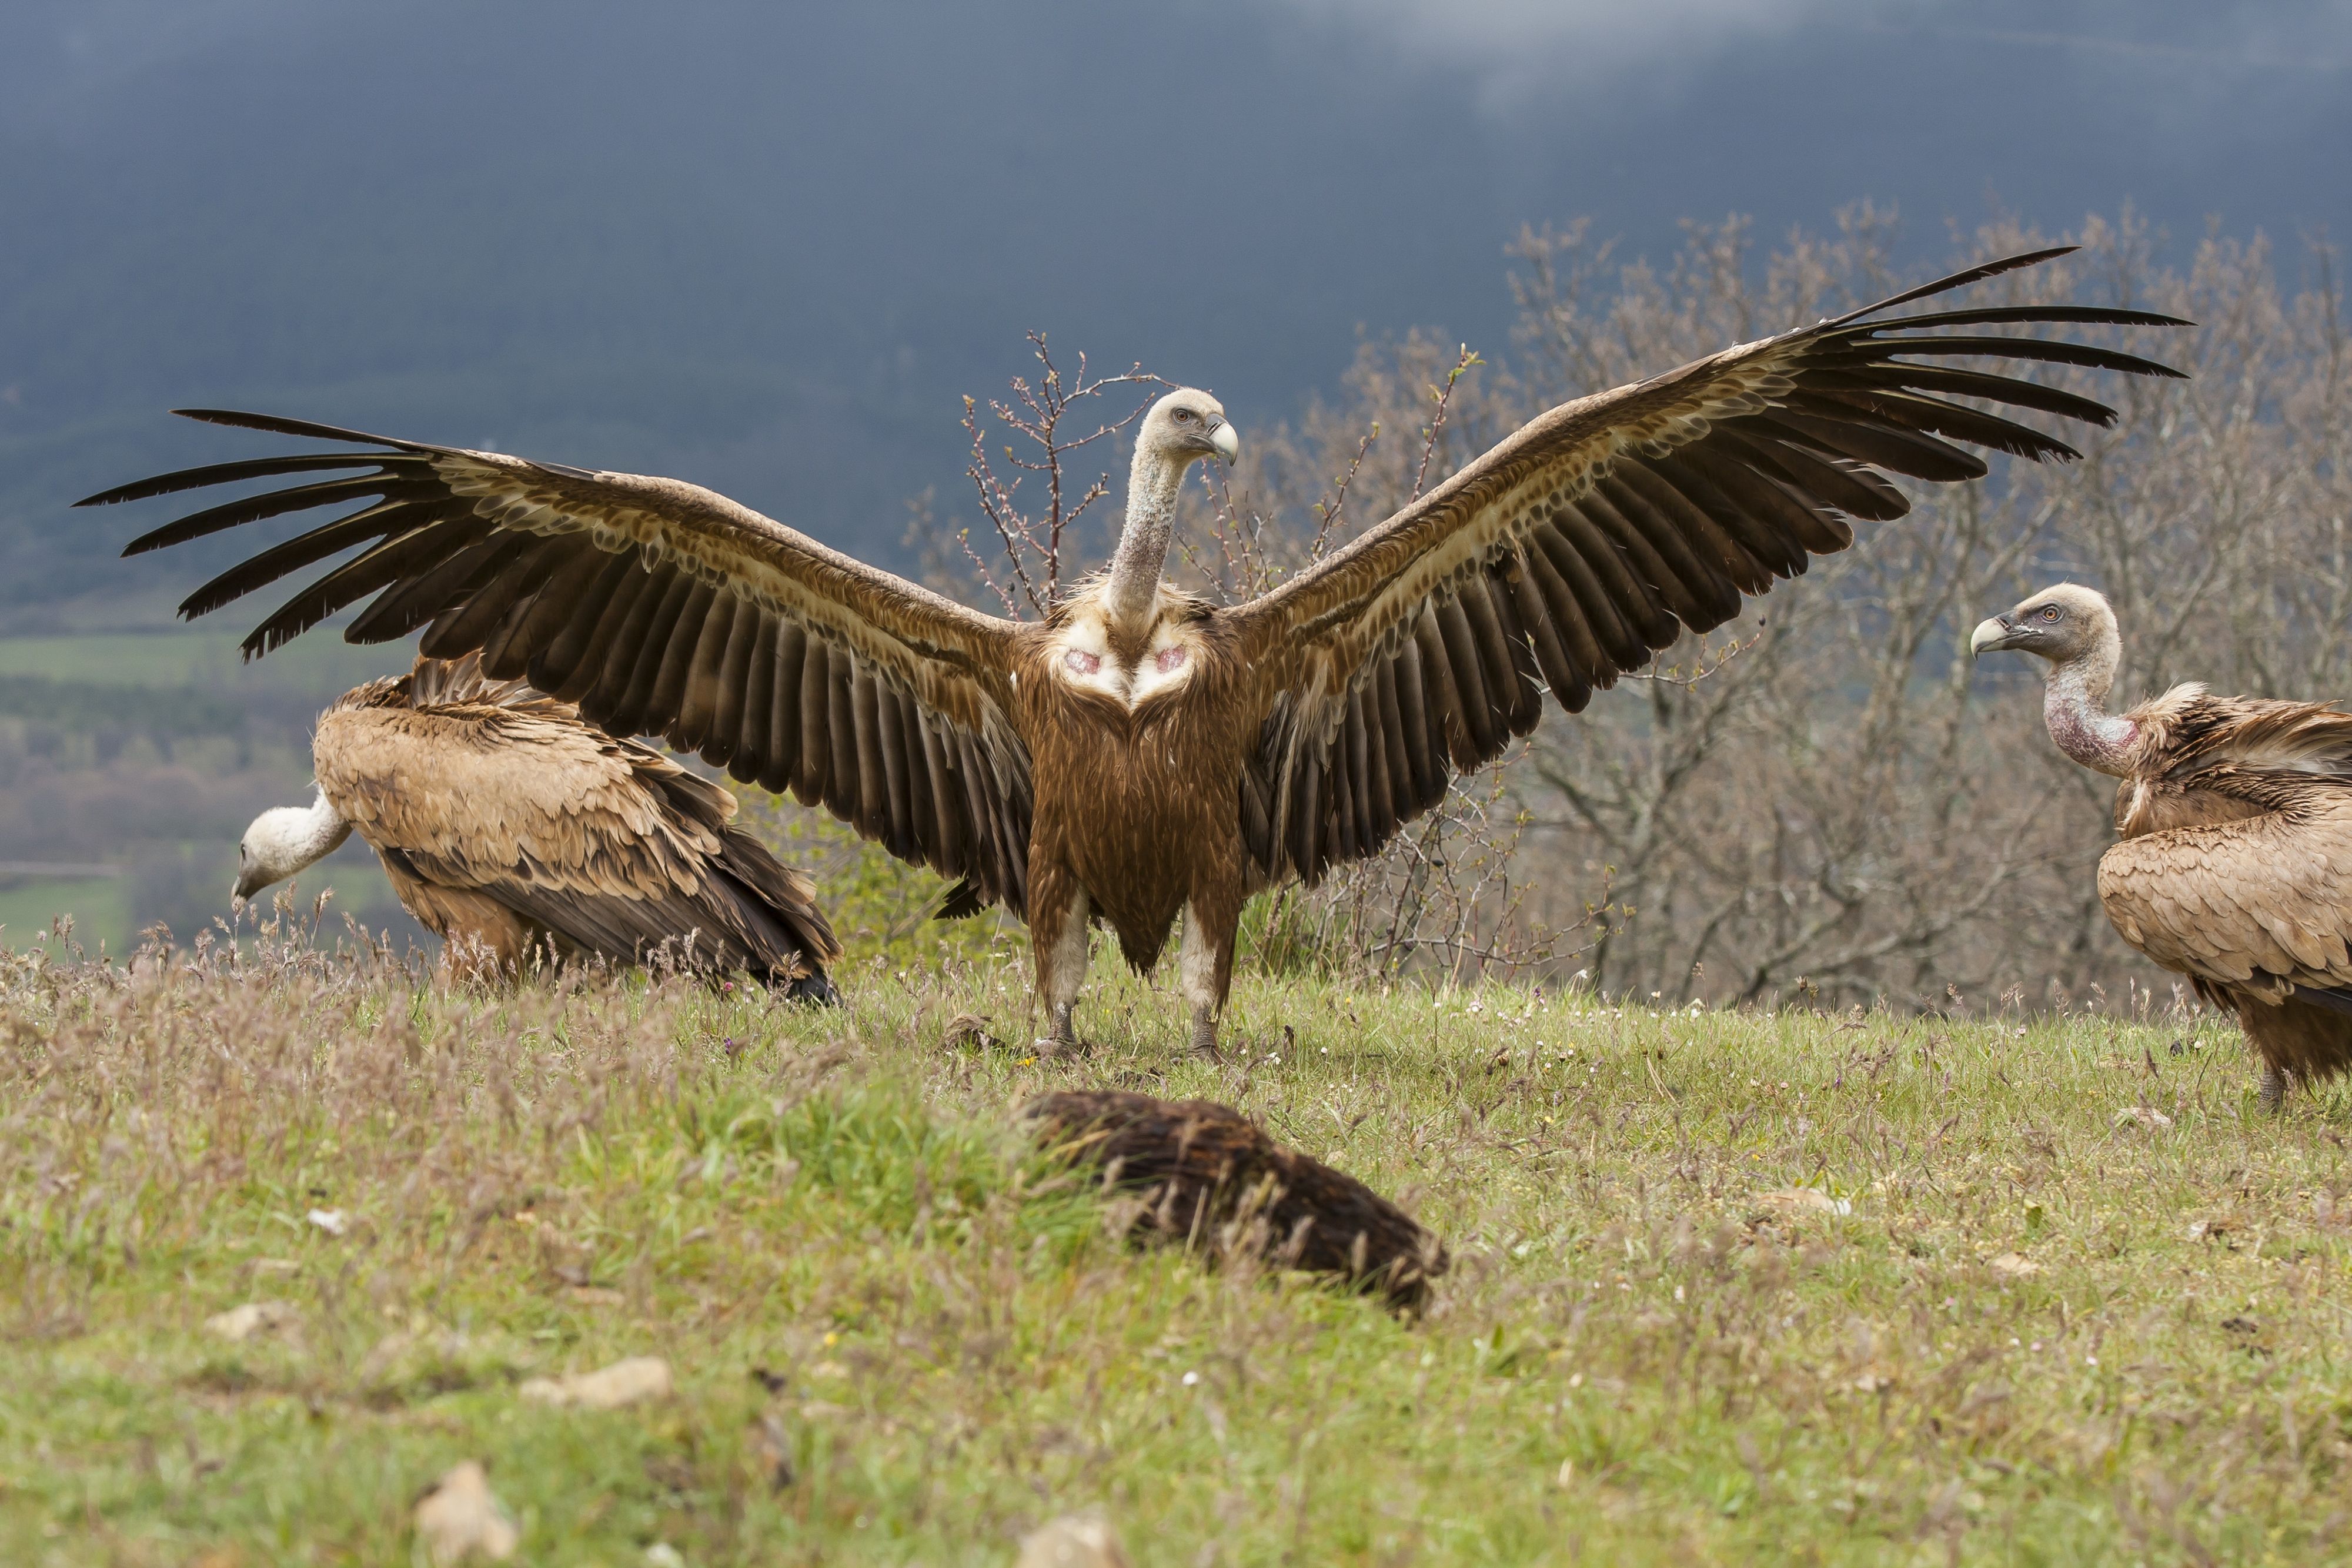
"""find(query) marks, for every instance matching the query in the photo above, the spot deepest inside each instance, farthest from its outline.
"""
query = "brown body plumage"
(2233, 816)
(1141, 752)
(1208, 1176)
(518, 832)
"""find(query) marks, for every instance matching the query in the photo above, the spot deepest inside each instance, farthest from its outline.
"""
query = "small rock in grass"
(333, 1221)
(1805, 1200)
(460, 1518)
(1075, 1540)
(2013, 1265)
(241, 1323)
(640, 1377)
(2141, 1116)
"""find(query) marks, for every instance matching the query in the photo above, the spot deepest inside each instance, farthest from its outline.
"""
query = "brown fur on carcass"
(1207, 1173)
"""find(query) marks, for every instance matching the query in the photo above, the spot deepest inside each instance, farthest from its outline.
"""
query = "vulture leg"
(2296, 1040)
(1058, 912)
(1205, 965)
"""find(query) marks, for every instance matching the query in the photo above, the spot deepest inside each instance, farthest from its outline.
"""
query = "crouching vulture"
(1141, 752)
(2233, 864)
(517, 832)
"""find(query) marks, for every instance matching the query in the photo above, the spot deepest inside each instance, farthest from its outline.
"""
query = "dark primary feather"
(230, 474)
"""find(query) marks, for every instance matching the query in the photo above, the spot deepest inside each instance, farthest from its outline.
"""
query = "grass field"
(320, 666)
(2002, 1323)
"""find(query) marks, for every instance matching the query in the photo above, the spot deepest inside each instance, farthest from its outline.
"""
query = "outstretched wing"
(1598, 533)
(659, 608)
(2262, 904)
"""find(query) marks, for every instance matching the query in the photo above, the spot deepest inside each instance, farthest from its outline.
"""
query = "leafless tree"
(1040, 416)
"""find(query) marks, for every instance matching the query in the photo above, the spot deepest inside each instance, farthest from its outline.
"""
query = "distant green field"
(70, 700)
(100, 908)
(321, 664)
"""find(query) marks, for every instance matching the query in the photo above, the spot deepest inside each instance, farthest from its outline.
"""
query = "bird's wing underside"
(659, 608)
(606, 842)
(2262, 904)
(1598, 533)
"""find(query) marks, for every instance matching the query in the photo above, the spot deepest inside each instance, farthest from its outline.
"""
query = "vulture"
(514, 829)
(2232, 864)
(1141, 752)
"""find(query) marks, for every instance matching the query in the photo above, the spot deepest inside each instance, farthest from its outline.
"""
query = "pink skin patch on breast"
(1170, 658)
(1081, 662)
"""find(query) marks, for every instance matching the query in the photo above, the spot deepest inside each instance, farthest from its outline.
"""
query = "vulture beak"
(1228, 444)
(1990, 636)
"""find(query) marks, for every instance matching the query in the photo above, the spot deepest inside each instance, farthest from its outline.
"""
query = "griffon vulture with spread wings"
(1141, 752)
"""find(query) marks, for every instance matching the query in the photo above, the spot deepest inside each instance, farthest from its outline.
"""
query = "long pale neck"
(2075, 707)
(1142, 555)
(312, 833)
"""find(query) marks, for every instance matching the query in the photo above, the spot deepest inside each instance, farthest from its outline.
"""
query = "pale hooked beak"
(1990, 636)
(1228, 444)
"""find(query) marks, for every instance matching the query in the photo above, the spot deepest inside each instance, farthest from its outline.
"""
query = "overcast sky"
(768, 247)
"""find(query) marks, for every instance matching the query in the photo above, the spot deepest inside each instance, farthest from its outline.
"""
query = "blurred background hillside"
(769, 247)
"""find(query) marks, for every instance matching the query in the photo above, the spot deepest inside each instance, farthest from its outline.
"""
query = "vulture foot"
(1204, 1034)
(1063, 1040)
(2273, 1095)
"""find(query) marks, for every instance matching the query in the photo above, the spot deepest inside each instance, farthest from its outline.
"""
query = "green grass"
(1638, 1357)
(322, 665)
(98, 906)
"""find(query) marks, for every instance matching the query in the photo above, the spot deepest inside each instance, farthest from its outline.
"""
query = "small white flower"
(1190, 1378)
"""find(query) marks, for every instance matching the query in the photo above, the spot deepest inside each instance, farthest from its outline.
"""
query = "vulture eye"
(2050, 612)
(1183, 416)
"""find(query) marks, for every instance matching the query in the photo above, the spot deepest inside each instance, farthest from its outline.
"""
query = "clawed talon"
(2274, 1094)
(1204, 1038)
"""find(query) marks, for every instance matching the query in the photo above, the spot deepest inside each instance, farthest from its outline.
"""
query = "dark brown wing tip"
(277, 426)
(1960, 279)
(961, 902)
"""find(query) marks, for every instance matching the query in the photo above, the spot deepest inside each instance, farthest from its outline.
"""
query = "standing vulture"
(2234, 817)
(513, 828)
(1142, 752)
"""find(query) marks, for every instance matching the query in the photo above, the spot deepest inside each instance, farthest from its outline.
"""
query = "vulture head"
(2074, 629)
(283, 841)
(2071, 626)
(1185, 425)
